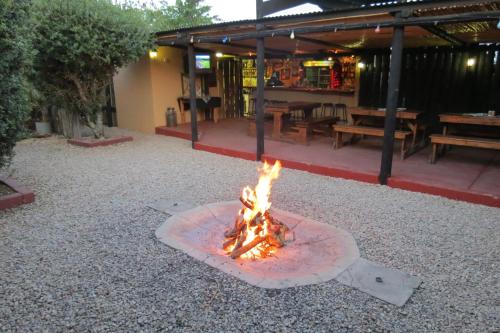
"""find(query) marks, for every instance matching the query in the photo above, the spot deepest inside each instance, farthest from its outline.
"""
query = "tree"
(80, 45)
(184, 14)
(15, 65)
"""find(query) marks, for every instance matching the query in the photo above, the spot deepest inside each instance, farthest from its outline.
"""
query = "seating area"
(441, 141)
(467, 174)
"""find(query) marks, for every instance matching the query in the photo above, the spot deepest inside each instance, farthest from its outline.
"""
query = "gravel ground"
(84, 257)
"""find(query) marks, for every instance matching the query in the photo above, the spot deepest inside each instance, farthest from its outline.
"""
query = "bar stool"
(342, 109)
(327, 110)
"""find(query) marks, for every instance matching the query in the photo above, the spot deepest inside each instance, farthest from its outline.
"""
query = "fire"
(255, 233)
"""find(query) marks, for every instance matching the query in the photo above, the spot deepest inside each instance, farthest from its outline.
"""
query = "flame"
(258, 198)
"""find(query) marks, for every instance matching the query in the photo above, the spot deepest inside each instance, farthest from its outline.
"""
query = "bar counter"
(291, 94)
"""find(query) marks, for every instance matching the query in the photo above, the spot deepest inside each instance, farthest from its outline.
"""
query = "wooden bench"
(369, 131)
(302, 130)
(439, 139)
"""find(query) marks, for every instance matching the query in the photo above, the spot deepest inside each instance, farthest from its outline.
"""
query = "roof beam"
(444, 35)
(323, 43)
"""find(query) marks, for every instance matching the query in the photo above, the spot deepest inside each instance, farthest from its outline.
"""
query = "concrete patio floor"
(466, 174)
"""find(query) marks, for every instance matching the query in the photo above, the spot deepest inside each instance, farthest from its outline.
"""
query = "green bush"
(15, 66)
(80, 45)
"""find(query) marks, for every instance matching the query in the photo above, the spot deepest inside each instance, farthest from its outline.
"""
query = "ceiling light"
(471, 62)
(361, 65)
(219, 54)
(153, 54)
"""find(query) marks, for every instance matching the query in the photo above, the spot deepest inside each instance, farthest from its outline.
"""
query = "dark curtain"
(436, 80)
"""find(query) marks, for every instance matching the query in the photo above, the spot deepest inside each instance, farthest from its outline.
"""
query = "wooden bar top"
(290, 106)
(479, 119)
(313, 90)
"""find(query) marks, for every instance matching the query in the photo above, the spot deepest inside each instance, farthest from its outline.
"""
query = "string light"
(292, 35)
(191, 40)
(498, 24)
(377, 29)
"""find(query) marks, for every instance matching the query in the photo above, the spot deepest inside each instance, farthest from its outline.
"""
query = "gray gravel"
(84, 257)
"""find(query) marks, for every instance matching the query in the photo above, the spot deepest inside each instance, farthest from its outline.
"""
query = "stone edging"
(100, 143)
(21, 197)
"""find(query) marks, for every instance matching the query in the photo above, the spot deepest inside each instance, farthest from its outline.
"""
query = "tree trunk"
(70, 123)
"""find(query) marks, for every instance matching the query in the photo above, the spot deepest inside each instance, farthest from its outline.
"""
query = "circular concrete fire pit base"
(319, 252)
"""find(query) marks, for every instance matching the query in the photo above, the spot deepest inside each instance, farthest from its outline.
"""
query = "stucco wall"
(166, 82)
(145, 89)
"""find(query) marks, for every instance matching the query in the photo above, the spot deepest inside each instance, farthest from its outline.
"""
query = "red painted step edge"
(449, 193)
(224, 151)
(99, 143)
(21, 197)
(325, 171)
(171, 132)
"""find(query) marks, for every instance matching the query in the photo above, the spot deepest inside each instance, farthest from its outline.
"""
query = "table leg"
(413, 128)
(277, 125)
(216, 115)
(307, 114)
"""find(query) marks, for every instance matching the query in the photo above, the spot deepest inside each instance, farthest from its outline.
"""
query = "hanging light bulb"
(292, 35)
(191, 40)
(498, 24)
(377, 29)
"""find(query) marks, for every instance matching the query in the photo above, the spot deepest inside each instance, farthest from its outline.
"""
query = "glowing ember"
(255, 233)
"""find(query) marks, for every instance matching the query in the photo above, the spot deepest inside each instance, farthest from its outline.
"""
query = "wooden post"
(392, 102)
(192, 95)
(259, 107)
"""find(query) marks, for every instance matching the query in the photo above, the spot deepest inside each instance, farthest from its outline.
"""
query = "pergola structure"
(345, 26)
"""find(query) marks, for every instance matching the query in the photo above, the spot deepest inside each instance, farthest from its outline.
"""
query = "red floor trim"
(223, 151)
(449, 193)
(21, 197)
(325, 171)
(172, 132)
(89, 143)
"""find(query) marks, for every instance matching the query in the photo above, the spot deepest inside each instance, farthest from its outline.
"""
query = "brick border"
(86, 143)
(21, 197)
(171, 132)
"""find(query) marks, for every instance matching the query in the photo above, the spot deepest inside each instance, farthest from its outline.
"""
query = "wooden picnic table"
(441, 142)
(468, 119)
(281, 108)
(411, 118)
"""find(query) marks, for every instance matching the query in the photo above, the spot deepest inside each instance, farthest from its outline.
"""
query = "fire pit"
(264, 246)
(256, 234)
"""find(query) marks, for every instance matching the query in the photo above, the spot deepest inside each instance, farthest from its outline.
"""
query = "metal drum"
(171, 117)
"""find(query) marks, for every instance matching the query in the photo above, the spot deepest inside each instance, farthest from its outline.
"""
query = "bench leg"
(302, 136)
(434, 153)
(338, 140)
(403, 149)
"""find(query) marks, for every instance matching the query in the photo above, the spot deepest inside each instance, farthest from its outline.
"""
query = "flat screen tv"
(203, 62)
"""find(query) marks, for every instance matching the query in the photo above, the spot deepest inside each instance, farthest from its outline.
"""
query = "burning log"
(244, 249)
(256, 233)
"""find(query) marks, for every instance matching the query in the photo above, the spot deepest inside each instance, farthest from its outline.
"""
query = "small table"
(411, 118)
(279, 109)
(211, 105)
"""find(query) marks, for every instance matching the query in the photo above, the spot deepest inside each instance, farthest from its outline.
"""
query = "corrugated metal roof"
(360, 5)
